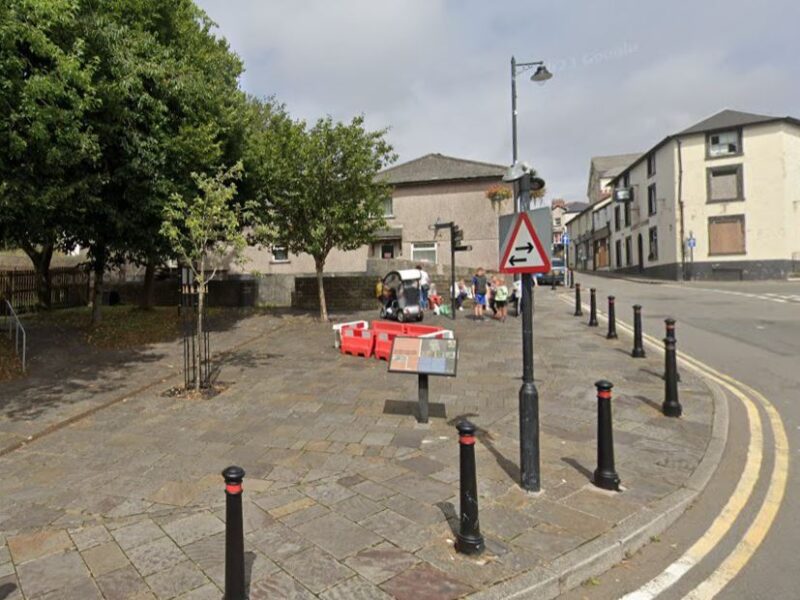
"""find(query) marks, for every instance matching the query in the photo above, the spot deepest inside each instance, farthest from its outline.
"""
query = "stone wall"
(342, 293)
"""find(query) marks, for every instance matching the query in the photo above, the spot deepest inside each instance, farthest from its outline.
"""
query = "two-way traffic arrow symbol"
(516, 259)
(529, 247)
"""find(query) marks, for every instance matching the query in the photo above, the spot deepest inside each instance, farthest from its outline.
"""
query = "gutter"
(680, 208)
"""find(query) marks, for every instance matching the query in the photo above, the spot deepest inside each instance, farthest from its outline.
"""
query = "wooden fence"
(68, 287)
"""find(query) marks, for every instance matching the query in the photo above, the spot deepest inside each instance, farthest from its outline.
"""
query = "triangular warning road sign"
(524, 252)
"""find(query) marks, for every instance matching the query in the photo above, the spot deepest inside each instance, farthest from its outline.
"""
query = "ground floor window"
(387, 251)
(618, 252)
(653, 238)
(423, 252)
(628, 251)
(280, 254)
(726, 235)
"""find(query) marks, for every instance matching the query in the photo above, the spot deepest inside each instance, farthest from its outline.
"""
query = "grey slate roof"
(727, 119)
(613, 165)
(724, 119)
(576, 207)
(438, 167)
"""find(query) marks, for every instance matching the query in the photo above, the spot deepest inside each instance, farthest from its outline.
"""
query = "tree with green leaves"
(204, 231)
(320, 184)
(49, 148)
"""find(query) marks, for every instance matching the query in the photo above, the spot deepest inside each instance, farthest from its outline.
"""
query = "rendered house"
(718, 200)
(430, 188)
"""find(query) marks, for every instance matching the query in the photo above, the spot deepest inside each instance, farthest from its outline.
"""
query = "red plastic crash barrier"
(444, 334)
(338, 327)
(358, 342)
(418, 330)
(390, 326)
(383, 344)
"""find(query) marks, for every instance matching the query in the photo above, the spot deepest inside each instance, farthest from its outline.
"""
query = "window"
(724, 184)
(653, 236)
(387, 250)
(724, 143)
(388, 207)
(726, 235)
(558, 221)
(616, 218)
(423, 252)
(628, 251)
(651, 164)
(618, 252)
(279, 254)
(628, 211)
(651, 199)
(626, 180)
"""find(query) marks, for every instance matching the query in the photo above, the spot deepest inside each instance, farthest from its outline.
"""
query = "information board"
(424, 356)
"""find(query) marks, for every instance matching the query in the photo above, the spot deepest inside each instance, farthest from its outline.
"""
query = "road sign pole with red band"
(234, 535)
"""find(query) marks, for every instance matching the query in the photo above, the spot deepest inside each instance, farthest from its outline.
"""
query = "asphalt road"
(751, 332)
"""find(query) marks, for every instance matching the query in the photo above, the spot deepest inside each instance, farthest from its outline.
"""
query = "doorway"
(640, 244)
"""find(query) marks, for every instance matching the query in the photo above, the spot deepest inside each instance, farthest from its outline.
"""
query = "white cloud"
(627, 72)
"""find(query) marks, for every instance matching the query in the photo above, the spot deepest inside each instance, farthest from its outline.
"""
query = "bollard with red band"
(605, 476)
(669, 323)
(612, 319)
(234, 535)
(469, 539)
(592, 307)
(578, 310)
(638, 346)
(671, 406)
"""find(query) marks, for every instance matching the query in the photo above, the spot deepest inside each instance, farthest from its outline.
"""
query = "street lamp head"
(516, 171)
(541, 75)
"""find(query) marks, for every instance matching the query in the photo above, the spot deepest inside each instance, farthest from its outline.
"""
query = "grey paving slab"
(338, 482)
(176, 580)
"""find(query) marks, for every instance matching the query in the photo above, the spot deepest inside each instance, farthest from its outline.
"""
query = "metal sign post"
(524, 254)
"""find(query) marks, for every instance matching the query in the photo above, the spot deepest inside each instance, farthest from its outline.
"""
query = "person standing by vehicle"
(424, 286)
(479, 292)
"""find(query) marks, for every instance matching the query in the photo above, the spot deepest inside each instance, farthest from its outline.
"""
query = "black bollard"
(234, 535)
(469, 539)
(578, 310)
(553, 284)
(605, 476)
(670, 333)
(571, 279)
(612, 319)
(592, 307)
(638, 348)
(671, 406)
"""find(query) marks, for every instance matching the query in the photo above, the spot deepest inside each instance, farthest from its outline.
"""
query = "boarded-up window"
(725, 183)
(726, 235)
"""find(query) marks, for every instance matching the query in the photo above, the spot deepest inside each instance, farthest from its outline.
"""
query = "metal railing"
(16, 332)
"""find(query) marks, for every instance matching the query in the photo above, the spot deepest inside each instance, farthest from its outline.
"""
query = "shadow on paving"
(64, 368)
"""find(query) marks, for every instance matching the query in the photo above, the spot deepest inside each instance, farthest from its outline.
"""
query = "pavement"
(346, 495)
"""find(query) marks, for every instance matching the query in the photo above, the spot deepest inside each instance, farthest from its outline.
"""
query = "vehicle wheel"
(383, 313)
(400, 316)
(419, 317)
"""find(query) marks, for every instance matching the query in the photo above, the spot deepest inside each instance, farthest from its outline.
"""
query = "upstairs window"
(725, 184)
(651, 164)
(653, 239)
(724, 143)
(616, 218)
(388, 207)
(651, 199)
(280, 254)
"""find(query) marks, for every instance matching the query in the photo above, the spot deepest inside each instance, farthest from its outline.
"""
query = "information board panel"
(424, 356)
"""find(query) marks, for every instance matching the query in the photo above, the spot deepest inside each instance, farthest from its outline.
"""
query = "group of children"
(490, 292)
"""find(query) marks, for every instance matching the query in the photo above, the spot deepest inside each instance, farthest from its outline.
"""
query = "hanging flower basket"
(498, 193)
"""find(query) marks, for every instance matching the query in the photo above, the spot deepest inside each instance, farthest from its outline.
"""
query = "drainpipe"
(680, 208)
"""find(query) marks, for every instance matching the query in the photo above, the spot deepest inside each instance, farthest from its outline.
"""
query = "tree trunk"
(99, 260)
(148, 292)
(323, 307)
(41, 264)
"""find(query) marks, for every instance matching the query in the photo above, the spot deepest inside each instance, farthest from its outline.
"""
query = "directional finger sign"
(524, 252)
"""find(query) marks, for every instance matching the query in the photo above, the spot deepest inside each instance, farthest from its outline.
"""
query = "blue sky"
(436, 72)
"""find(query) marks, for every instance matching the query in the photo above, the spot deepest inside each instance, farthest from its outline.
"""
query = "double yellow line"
(755, 534)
